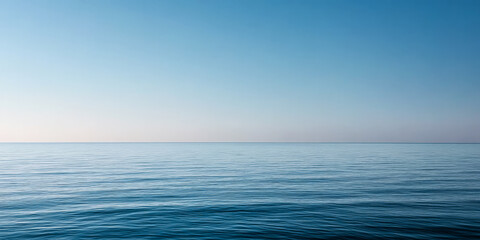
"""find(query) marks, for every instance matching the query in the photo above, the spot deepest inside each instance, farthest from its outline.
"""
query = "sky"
(239, 70)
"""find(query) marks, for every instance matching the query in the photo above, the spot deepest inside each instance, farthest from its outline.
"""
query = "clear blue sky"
(240, 70)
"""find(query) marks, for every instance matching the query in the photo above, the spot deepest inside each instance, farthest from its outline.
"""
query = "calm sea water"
(239, 191)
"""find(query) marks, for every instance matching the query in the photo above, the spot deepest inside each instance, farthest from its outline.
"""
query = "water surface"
(239, 191)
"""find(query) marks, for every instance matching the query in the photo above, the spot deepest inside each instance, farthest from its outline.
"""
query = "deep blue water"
(239, 191)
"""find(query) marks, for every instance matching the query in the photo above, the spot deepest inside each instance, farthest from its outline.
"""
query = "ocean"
(239, 191)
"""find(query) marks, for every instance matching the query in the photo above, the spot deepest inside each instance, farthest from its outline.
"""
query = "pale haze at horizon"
(328, 71)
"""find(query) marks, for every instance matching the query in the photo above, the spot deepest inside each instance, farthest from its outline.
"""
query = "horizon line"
(317, 142)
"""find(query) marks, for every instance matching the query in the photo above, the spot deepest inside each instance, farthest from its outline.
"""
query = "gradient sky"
(240, 70)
